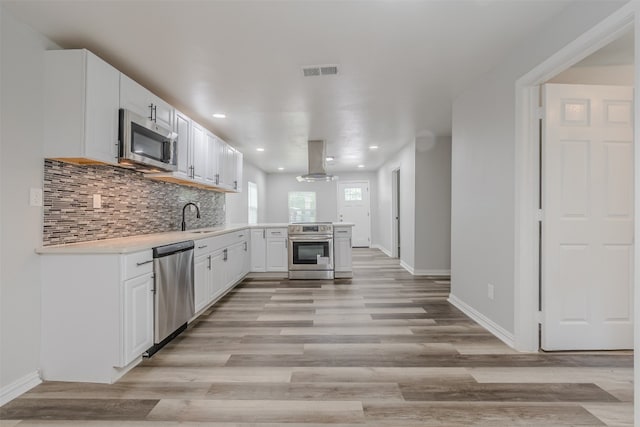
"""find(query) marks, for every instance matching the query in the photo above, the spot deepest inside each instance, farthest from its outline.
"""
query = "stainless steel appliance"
(174, 303)
(311, 251)
(144, 144)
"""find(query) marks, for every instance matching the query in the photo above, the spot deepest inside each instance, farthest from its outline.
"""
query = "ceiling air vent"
(320, 70)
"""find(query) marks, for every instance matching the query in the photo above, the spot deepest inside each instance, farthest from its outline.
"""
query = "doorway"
(395, 213)
(528, 215)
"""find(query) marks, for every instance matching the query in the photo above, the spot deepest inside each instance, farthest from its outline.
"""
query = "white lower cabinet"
(269, 250)
(258, 250)
(218, 265)
(97, 315)
(277, 254)
(138, 317)
(201, 280)
(218, 274)
(342, 259)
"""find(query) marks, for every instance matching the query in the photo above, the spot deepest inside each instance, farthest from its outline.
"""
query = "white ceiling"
(400, 64)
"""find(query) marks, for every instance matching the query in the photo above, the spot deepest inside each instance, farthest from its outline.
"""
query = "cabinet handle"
(144, 262)
(240, 235)
(245, 246)
(192, 172)
(342, 231)
(276, 232)
(235, 185)
(350, 244)
(217, 178)
(202, 247)
(151, 111)
(209, 258)
(263, 231)
(226, 255)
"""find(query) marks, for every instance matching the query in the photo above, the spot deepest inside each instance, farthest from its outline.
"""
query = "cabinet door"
(219, 273)
(102, 100)
(163, 112)
(238, 171)
(183, 129)
(342, 253)
(138, 99)
(202, 281)
(277, 254)
(258, 250)
(211, 169)
(138, 317)
(229, 167)
(246, 258)
(199, 152)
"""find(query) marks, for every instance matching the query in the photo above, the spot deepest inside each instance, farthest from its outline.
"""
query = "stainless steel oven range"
(311, 251)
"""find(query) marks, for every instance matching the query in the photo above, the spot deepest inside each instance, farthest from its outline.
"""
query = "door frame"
(395, 213)
(526, 242)
(359, 181)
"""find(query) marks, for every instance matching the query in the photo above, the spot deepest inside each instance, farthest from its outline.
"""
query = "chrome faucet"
(184, 224)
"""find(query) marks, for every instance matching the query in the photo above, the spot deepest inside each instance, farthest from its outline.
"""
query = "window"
(302, 206)
(252, 191)
(353, 194)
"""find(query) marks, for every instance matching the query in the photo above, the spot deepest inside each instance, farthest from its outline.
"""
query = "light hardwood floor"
(382, 349)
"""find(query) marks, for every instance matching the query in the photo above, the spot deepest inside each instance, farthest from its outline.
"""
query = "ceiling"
(400, 64)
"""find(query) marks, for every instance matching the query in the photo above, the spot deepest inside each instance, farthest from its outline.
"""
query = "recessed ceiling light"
(280, 168)
(220, 115)
(330, 158)
(260, 149)
(360, 166)
(373, 147)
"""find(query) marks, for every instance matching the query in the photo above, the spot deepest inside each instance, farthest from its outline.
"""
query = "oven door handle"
(312, 237)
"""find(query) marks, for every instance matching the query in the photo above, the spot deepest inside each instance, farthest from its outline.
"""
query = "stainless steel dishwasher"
(174, 304)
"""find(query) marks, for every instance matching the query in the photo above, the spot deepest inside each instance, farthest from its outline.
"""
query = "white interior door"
(353, 206)
(587, 238)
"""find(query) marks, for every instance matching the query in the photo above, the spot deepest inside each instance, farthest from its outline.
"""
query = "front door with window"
(353, 207)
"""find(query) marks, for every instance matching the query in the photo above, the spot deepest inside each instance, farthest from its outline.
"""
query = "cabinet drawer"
(204, 246)
(276, 232)
(341, 232)
(137, 264)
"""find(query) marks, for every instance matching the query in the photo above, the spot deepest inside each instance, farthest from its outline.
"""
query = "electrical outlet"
(490, 290)
(35, 197)
(97, 201)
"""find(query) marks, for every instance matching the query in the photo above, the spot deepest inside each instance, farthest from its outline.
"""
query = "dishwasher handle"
(166, 250)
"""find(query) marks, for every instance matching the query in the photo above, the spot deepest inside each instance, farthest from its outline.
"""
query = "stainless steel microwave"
(144, 144)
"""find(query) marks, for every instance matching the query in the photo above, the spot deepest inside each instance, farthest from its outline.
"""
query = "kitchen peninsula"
(98, 296)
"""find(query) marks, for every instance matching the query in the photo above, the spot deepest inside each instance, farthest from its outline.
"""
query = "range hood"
(317, 163)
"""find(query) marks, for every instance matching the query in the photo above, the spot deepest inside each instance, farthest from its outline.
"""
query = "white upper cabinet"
(185, 145)
(199, 145)
(238, 174)
(138, 99)
(80, 107)
(211, 175)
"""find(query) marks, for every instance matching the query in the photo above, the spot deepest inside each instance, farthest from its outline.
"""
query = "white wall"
(405, 160)
(326, 195)
(21, 168)
(483, 194)
(237, 204)
(622, 75)
(433, 205)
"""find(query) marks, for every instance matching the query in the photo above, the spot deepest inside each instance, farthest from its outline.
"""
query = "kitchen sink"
(201, 231)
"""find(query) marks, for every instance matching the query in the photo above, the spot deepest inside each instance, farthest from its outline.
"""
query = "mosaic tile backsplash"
(131, 204)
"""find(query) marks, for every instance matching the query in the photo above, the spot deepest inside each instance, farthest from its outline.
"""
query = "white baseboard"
(384, 250)
(407, 267)
(505, 336)
(430, 272)
(19, 386)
